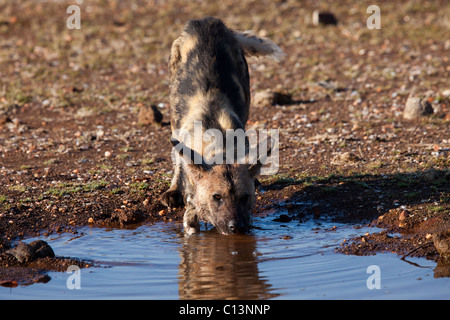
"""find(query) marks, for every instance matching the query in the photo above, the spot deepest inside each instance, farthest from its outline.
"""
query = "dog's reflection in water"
(214, 266)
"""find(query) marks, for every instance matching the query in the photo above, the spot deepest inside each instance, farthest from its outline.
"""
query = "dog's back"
(209, 78)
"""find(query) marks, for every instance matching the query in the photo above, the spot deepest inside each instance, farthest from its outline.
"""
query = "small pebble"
(403, 215)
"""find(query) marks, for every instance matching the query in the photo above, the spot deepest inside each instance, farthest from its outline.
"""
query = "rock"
(9, 283)
(42, 278)
(403, 215)
(416, 107)
(282, 98)
(442, 243)
(125, 217)
(447, 117)
(431, 175)
(325, 18)
(42, 249)
(282, 218)
(268, 98)
(23, 252)
(331, 85)
(442, 269)
(344, 158)
(148, 115)
(4, 119)
(263, 98)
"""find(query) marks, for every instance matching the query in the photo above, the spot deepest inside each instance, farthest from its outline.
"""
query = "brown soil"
(73, 151)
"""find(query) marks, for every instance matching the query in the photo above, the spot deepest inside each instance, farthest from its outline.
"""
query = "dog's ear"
(256, 46)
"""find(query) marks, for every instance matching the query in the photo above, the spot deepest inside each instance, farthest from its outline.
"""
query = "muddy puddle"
(277, 261)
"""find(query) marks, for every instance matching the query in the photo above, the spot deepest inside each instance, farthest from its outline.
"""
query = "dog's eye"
(217, 196)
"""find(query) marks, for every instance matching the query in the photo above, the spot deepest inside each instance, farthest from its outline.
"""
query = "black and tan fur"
(209, 82)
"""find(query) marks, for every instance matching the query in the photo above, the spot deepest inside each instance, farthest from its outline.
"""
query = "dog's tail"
(256, 46)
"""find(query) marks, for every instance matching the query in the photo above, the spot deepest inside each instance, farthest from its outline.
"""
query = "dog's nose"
(232, 226)
(235, 226)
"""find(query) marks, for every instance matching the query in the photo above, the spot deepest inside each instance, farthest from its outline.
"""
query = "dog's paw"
(172, 199)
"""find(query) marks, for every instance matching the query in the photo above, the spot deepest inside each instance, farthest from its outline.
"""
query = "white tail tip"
(256, 46)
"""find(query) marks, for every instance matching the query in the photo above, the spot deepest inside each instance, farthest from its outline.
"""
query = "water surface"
(277, 261)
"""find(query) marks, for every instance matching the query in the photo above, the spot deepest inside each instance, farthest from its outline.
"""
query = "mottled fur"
(210, 83)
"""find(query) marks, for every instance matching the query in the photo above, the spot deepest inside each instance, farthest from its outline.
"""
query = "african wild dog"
(209, 82)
